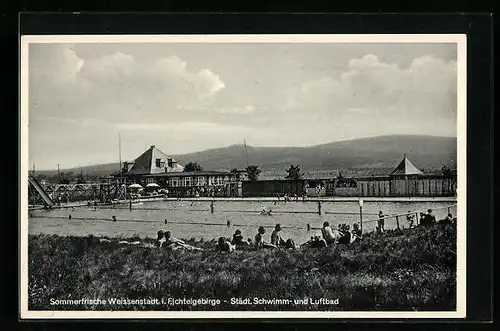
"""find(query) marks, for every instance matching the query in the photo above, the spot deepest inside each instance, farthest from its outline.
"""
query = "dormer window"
(158, 163)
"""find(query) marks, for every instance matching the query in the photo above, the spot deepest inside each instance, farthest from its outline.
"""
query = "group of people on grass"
(426, 219)
(343, 235)
(165, 240)
(238, 241)
(328, 236)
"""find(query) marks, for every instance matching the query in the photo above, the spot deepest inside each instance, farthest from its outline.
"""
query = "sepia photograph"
(243, 176)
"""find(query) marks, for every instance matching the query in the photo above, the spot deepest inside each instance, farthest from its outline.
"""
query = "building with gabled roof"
(154, 166)
(152, 161)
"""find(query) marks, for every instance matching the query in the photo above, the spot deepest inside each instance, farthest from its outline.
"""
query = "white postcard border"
(459, 39)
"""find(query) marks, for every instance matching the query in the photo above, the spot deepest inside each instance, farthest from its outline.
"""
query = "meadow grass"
(412, 269)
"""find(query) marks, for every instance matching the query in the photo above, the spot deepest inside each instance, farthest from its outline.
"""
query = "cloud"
(54, 64)
(246, 110)
(115, 86)
(80, 97)
(426, 88)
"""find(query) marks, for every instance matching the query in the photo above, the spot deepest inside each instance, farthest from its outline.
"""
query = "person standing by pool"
(381, 221)
(410, 219)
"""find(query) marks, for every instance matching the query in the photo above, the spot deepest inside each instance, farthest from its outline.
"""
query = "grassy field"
(412, 269)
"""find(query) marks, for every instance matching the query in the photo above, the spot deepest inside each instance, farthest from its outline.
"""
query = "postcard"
(243, 176)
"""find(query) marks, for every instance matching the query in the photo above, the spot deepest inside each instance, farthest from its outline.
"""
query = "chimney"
(152, 146)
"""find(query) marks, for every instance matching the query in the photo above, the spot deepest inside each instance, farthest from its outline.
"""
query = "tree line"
(252, 171)
(292, 173)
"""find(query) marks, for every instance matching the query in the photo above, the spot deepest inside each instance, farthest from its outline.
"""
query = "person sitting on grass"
(238, 239)
(318, 242)
(429, 218)
(355, 233)
(174, 243)
(327, 233)
(421, 220)
(160, 239)
(447, 220)
(290, 244)
(126, 242)
(259, 239)
(224, 245)
(169, 240)
(345, 234)
(276, 237)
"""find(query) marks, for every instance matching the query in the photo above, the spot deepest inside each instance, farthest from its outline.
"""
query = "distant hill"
(365, 155)
(426, 152)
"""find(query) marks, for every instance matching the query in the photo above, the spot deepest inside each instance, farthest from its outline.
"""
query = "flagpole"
(120, 156)
(246, 154)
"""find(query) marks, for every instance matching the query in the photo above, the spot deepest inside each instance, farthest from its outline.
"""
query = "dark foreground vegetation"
(412, 269)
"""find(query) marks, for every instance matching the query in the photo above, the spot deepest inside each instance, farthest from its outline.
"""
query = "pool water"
(193, 219)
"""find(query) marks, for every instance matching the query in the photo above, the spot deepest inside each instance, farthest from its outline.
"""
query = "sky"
(187, 97)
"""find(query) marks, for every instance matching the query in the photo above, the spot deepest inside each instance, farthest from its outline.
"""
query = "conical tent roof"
(405, 167)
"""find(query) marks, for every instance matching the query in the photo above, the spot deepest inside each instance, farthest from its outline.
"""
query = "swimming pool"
(193, 219)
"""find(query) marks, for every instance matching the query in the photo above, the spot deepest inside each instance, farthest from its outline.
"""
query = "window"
(174, 182)
(200, 181)
(219, 180)
(169, 162)
(187, 181)
(158, 163)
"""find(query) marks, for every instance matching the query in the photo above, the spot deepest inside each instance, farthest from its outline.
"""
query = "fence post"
(397, 221)
(212, 207)
(361, 216)
(319, 207)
